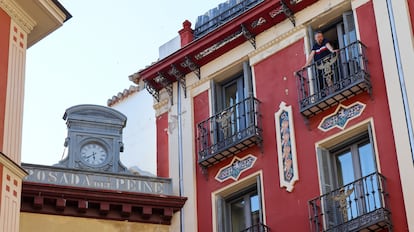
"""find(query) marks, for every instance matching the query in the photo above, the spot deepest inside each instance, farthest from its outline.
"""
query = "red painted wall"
(162, 145)
(411, 8)
(289, 211)
(4, 62)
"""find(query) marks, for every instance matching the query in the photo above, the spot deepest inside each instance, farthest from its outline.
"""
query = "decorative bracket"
(188, 63)
(249, 36)
(288, 12)
(285, 10)
(180, 77)
(153, 91)
(167, 84)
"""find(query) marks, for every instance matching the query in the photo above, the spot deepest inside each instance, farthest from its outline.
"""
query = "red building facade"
(257, 142)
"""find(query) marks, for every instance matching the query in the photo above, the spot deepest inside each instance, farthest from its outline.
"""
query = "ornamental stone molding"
(18, 15)
(161, 107)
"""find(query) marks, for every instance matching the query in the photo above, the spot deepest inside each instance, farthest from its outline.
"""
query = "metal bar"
(230, 130)
(333, 76)
(351, 202)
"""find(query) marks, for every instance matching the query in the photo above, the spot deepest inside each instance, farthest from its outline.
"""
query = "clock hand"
(87, 157)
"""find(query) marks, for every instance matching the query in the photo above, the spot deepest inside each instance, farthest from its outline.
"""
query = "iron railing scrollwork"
(257, 228)
(343, 73)
(356, 206)
(228, 129)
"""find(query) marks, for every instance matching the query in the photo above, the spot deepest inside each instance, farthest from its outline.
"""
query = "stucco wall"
(139, 133)
(49, 223)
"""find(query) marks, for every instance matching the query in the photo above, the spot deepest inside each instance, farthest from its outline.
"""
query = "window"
(333, 77)
(233, 89)
(244, 210)
(241, 209)
(347, 162)
(235, 122)
(349, 181)
(232, 105)
(341, 34)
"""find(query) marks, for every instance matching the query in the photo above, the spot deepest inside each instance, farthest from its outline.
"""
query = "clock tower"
(94, 139)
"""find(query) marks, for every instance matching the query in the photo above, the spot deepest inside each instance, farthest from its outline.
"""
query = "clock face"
(93, 154)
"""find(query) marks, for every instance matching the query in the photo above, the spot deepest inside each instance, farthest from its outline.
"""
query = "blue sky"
(89, 59)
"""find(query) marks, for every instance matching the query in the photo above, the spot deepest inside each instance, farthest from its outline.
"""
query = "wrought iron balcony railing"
(333, 79)
(218, 16)
(229, 132)
(359, 206)
(257, 228)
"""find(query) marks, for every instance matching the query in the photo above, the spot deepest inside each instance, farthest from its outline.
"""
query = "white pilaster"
(15, 93)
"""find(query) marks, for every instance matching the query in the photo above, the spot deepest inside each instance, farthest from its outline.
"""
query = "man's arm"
(330, 48)
(310, 58)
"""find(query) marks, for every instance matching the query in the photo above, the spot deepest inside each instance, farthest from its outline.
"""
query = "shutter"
(350, 37)
(216, 104)
(247, 78)
(247, 109)
(349, 27)
(216, 97)
(220, 206)
(327, 184)
(259, 194)
(325, 166)
(371, 141)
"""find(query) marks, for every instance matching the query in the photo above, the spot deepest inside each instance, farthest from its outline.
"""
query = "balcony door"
(352, 163)
(244, 211)
(341, 34)
(230, 105)
(346, 179)
(233, 109)
(241, 210)
(350, 57)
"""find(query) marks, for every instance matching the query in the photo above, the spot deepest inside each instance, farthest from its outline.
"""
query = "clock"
(93, 154)
(94, 139)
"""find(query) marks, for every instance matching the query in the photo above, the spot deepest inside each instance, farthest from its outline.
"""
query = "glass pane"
(370, 184)
(366, 159)
(237, 215)
(346, 175)
(231, 96)
(255, 209)
(345, 168)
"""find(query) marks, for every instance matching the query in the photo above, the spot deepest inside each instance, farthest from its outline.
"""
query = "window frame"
(221, 220)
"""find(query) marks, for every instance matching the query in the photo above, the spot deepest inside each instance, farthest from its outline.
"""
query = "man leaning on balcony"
(320, 50)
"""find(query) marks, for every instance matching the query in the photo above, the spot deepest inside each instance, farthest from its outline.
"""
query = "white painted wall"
(139, 134)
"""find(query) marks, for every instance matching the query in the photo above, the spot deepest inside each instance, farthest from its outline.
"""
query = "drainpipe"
(401, 77)
(180, 152)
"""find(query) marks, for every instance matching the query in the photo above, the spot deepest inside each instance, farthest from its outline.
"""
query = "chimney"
(186, 34)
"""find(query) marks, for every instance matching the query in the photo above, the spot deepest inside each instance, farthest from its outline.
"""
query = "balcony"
(257, 228)
(229, 132)
(359, 206)
(335, 78)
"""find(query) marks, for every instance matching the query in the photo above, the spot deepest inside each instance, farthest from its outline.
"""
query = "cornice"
(256, 52)
(19, 16)
(99, 203)
(53, 9)
(161, 107)
(12, 166)
(274, 42)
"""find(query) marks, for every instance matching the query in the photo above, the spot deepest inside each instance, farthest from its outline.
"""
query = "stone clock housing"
(94, 139)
